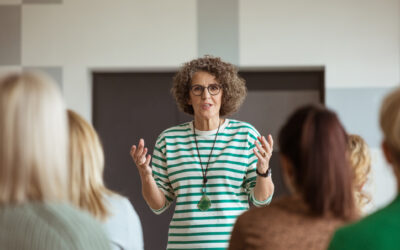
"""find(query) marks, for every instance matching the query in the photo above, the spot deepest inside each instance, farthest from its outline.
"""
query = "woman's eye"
(197, 88)
(214, 87)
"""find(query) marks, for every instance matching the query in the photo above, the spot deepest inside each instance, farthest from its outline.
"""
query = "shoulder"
(64, 214)
(78, 223)
(120, 203)
(281, 209)
(241, 126)
(178, 130)
(364, 233)
(184, 127)
(346, 237)
(123, 226)
(61, 224)
(122, 211)
(254, 219)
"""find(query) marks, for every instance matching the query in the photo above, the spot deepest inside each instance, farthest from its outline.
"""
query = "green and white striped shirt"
(231, 178)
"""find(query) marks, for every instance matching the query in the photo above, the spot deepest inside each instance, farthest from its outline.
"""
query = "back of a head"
(315, 143)
(86, 167)
(390, 123)
(33, 139)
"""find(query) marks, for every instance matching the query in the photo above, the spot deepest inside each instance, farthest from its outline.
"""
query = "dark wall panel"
(127, 107)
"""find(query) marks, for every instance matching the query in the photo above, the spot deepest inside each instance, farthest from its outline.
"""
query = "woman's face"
(205, 106)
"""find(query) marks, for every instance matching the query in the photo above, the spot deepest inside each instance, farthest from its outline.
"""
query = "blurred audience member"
(379, 230)
(360, 162)
(313, 148)
(89, 192)
(34, 213)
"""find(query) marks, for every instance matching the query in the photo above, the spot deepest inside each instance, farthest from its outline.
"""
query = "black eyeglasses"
(213, 89)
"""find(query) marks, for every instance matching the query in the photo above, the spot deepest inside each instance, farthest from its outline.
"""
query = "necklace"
(205, 202)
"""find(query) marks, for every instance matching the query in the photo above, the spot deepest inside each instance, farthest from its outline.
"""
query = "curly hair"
(360, 161)
(233, 86)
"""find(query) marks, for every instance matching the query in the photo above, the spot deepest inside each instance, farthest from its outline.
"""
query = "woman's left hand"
(263, 153)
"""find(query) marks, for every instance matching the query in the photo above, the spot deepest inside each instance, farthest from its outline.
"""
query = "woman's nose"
(205, 93)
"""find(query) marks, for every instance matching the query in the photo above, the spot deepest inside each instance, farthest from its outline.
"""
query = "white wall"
(81, 35)
(357, 40)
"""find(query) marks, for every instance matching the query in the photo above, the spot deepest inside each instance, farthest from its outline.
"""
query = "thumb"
(147, 162)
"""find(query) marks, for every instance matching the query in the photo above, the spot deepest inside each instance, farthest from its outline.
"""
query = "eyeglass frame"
(208, 88)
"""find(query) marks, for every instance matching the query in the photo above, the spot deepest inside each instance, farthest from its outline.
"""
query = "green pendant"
(204, 203)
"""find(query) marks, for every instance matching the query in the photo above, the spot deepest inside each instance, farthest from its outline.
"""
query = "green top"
(42, 226)
(380, 231)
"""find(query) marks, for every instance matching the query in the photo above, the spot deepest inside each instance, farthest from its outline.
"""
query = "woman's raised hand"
(140, 158)
(263, 153)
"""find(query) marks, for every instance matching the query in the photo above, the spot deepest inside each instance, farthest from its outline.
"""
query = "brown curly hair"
(234, 87)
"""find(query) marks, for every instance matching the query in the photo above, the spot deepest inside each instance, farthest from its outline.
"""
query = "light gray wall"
(218, 29)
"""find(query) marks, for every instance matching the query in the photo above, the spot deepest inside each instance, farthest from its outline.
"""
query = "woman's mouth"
(206, 106)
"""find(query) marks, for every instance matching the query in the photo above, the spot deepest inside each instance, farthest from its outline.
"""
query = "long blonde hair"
(360, 162)
(33, 140)
(86, 168)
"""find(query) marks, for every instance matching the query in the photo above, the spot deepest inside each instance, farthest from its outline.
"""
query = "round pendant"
(204, 203)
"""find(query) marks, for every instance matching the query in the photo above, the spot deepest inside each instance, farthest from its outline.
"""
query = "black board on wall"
(128, 106)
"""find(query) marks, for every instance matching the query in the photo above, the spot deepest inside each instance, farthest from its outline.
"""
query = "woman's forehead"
(203, 77)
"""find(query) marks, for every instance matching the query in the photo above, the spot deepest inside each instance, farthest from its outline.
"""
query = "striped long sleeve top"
(231, 178)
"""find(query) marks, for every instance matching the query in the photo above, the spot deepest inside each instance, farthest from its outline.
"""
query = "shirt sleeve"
(159, 167)
(250, 179)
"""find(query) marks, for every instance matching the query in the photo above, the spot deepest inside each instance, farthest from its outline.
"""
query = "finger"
(271, 142)
(265, 144)
(133, 150)
(139, 148)
(260, 149)
(259, 156)
(142, 157)
(148, 158)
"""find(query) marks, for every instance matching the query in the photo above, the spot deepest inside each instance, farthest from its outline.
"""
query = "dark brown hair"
(315, 142)
(234, 87)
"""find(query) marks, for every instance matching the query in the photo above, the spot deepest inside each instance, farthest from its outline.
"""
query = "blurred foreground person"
(379, 230)
(360, 163)
(34, 213)
(89, 193)
(313, 145)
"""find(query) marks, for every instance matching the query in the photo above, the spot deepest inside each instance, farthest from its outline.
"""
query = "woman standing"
(212, 165)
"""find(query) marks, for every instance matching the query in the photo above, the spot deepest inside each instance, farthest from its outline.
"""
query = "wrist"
(264, 174)
(146, 177)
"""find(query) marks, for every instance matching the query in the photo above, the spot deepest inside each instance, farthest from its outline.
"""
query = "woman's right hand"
(140, 158)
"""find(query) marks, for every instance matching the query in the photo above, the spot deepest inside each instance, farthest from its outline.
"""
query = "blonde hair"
(86, 168)
(390, 122)
(33, 140)
(360, 162)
